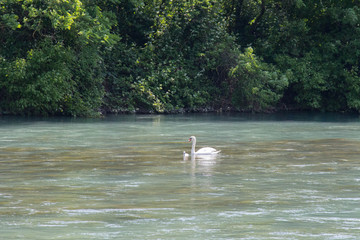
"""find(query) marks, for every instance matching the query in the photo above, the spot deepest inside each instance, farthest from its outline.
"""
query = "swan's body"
(201, 151)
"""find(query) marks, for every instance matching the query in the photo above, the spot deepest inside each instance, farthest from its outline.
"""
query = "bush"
(254, 85)
(37, 84)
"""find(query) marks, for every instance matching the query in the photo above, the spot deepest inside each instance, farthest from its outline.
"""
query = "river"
(279, 176)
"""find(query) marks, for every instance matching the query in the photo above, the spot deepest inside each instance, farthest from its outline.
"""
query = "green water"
(291, 176)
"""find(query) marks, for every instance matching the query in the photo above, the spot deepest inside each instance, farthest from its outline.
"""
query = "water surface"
(291, 176)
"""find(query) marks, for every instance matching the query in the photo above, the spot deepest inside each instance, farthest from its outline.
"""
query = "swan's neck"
(193, 147)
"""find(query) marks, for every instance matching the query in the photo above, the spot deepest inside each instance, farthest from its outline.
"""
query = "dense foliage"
(83, 57)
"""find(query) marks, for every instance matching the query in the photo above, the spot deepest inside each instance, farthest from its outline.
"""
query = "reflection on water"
(124, 177)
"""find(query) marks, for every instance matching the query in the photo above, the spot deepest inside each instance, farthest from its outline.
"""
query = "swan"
(201, 151)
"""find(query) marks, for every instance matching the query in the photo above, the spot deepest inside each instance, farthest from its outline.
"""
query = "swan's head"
(192, 139)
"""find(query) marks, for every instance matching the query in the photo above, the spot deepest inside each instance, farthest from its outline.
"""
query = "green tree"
(169, 72)
(55, 46)
(318, 43)
(185, 63)
(254, 85)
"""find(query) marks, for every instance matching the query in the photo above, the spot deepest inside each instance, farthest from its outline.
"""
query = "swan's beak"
(189, 139)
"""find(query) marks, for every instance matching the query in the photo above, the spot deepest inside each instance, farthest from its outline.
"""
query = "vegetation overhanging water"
(82, 57)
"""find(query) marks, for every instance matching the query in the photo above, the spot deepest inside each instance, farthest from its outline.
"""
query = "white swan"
(201, 151)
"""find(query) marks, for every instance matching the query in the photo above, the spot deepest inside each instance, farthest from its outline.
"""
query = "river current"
(278, 176)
